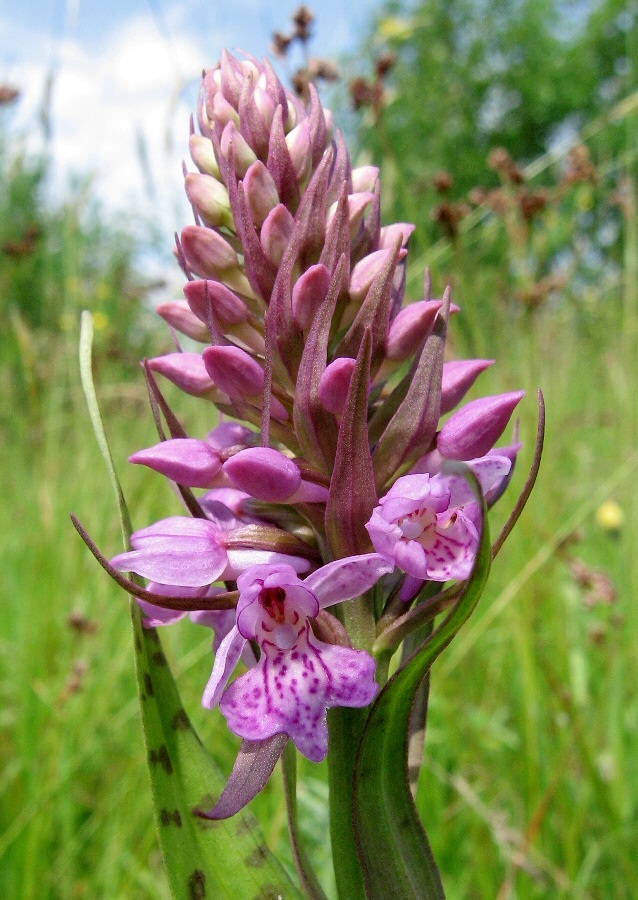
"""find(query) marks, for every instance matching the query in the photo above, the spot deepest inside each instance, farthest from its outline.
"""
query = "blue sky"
(125, 73)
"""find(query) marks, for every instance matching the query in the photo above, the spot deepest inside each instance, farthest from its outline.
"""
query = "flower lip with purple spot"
(298, 677)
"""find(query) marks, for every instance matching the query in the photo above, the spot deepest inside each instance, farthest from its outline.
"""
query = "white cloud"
(136, 85)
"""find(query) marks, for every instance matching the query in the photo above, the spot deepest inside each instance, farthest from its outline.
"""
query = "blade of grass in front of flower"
(309, 881)
(86, 376)
(202, 858)
(392, 844)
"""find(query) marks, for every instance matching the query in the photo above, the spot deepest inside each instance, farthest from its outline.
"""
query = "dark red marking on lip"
(273, 601)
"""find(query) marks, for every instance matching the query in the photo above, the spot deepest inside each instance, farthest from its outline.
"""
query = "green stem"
(309, 880)
(346, 726)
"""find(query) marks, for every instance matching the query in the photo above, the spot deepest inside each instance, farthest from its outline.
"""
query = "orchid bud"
(228, 434)
(206, 251)
(276, 233)
(210, 199)
(207, 298)
(264, 473)
(335, 383)
(203, 155)
(270, 475)
(308, 294)
(475, 428)
(229, 75)
(260, 191)
(298, 143)
(234, 371)
(366, 271)
(409, 329)
(223, 112)
(265, 105)
(240, 376)
(179, 316)
(357, 205)
(243, 156)
(186, 461)
(458, 377)
(186, 370)
(364, 178)
(389, 234)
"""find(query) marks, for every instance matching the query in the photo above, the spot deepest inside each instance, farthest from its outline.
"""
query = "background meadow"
(530, 782)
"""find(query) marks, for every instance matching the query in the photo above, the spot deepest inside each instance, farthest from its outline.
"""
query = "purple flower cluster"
(326, 481)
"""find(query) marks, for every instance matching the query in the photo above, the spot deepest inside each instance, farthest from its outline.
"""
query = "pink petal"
(453, 552)
(289, 692)
(226, 659)
(347, 578)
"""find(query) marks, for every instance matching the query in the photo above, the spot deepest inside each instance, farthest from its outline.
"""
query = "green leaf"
(392, 844)
(203, 859)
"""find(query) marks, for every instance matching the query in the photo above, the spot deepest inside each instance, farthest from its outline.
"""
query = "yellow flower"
(610, 516)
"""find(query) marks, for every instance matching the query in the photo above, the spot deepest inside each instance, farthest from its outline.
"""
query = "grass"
(530, 783)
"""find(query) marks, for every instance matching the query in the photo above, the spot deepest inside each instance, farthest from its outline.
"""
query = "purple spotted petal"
(454, 550)
(290, 691)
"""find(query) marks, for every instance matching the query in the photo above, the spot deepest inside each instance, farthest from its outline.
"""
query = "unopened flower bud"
(186, 461)
(308, 294)
(265, 104)
(203, 155)
(207, 252)
(240, 376)
(335, 383)
(409, 328)
(223, 112)
(276, 233)
(207, 298)
(243, 156)
(186, 370)
(270, 475)
(389, 234)
(474, 429)
(458, 377)
(364, 178)
(260, 191)
(264, 473)
(210, 199)
(228, 434)
(179, 316)
(366, 271)
(357, 205)
(299, 147)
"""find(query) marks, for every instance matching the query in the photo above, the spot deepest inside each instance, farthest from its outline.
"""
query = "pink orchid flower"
(298, 677)
(429, 525)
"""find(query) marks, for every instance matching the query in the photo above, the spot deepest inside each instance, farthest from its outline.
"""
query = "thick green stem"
(346, 726)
